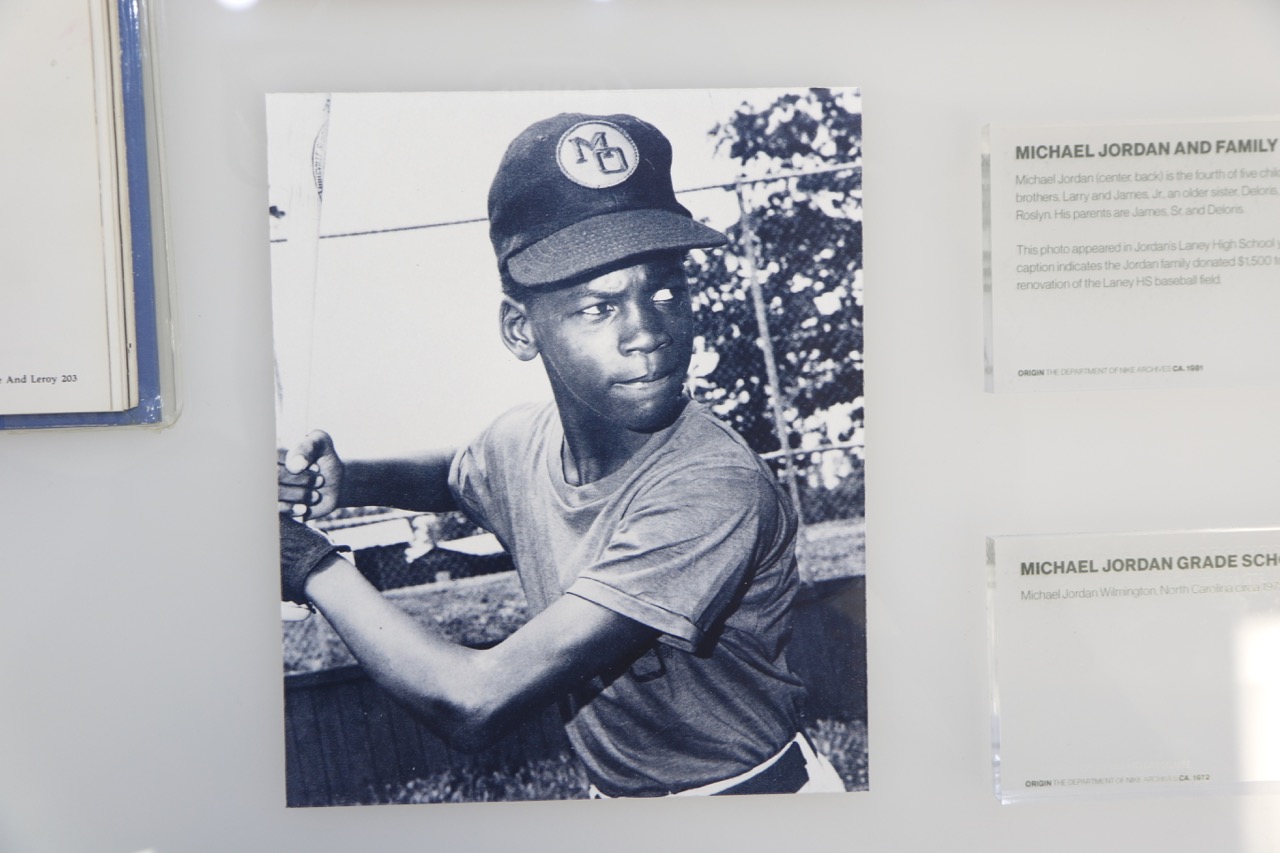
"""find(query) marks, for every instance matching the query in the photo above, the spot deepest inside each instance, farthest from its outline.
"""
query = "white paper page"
(64, 329)
(1140, 662)
(1133, 256)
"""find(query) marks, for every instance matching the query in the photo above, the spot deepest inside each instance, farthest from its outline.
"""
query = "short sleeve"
(480, 476)
(469, 483)
(682, 551)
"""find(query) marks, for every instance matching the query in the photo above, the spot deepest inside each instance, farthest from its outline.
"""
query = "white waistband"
(725, 784)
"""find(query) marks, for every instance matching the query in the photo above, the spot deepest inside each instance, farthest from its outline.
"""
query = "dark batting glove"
(302, 550)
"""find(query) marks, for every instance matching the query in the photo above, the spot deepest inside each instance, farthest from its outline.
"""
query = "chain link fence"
(780, 354)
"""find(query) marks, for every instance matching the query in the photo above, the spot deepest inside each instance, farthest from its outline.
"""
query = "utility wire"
(729, 185)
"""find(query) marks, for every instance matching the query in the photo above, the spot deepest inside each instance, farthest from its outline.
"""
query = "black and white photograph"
(570, 419)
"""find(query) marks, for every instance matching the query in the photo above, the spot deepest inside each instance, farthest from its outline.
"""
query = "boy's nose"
(644, 331)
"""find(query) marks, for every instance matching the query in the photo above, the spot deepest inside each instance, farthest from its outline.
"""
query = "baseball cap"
(577, 194)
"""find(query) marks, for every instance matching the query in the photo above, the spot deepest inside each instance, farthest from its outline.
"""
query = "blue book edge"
(150, 408)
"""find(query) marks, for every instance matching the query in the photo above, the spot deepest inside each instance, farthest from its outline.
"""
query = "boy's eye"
(599, 309)
(667, 294)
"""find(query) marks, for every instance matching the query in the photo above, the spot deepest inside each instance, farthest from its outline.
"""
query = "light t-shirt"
(693, 537)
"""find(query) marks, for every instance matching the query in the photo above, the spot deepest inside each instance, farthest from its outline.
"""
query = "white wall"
(140, 701)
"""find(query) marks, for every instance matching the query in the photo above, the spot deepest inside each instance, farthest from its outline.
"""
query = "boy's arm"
(314, 480)
(469, 696)
(419, 483)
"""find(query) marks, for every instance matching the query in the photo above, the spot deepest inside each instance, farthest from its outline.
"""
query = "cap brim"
(596, 244)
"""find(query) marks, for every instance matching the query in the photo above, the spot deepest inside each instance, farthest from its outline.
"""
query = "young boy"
(654, 547)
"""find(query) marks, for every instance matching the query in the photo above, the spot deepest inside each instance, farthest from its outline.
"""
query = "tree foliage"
(800, 234)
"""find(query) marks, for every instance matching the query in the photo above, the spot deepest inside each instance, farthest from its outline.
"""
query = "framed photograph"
(569, 387)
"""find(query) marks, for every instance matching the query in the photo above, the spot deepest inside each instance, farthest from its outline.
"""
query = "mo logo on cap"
(597, 154)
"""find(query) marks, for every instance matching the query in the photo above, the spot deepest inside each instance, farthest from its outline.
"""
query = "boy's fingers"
(299, 494)
(299, 511)
(299, 476)
(308, 478)
(290, 478)
(296, 463)
(308, 451)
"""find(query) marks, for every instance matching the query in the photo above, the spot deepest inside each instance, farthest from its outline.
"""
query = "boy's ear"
(516, 329)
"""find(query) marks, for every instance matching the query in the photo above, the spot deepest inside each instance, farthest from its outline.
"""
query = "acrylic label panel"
(1133, 255)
